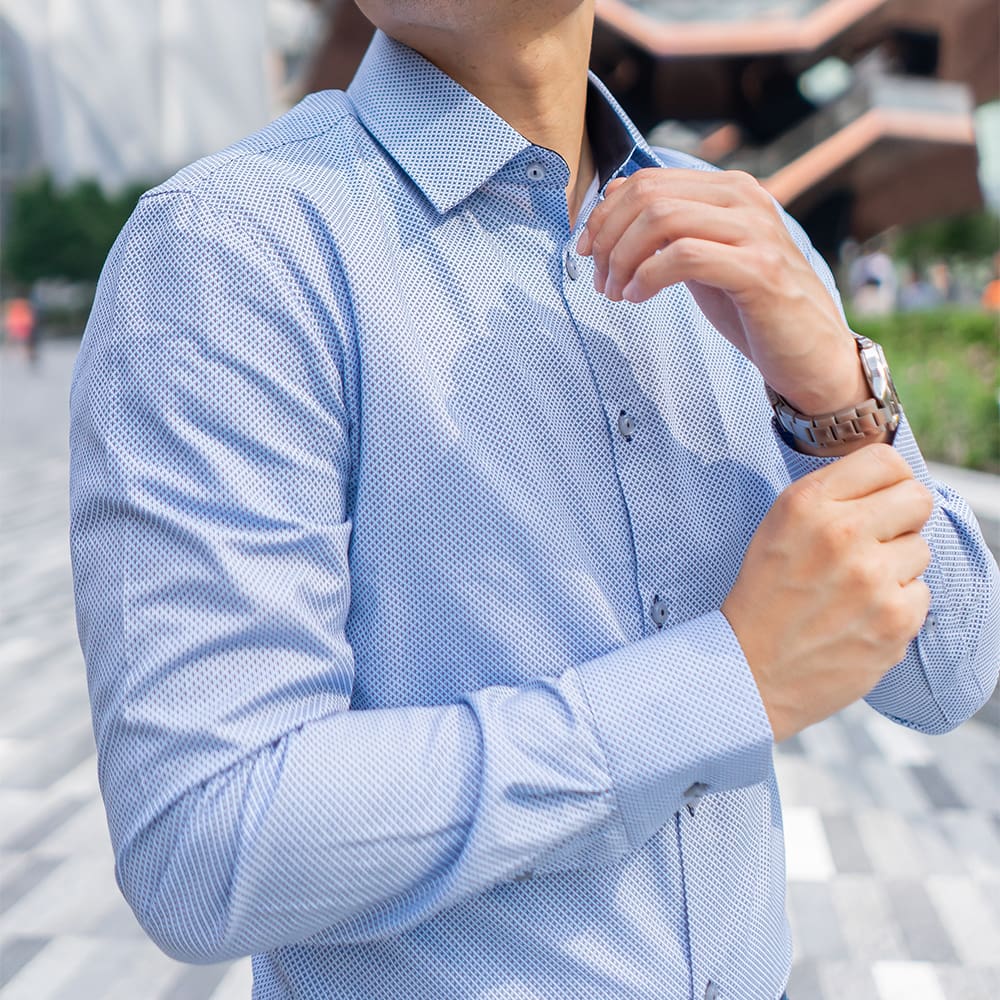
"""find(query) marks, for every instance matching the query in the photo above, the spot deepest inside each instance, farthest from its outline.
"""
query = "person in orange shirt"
(20, 326)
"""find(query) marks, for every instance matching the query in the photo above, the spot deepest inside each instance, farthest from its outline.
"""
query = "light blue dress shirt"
(351, 430)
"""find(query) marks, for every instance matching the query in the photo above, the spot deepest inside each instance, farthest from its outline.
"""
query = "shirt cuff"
(679, 715)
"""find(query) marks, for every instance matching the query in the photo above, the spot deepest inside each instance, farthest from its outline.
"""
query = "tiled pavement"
(893, 838)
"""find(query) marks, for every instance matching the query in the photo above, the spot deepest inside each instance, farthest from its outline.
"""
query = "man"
(387, 409)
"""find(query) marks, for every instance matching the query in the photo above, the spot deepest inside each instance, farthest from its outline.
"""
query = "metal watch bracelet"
(867, 420)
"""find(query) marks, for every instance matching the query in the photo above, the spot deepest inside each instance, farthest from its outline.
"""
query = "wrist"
(870, 417)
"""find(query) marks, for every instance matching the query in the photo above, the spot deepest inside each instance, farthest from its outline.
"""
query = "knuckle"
(799, 501)
(924, 554)
(890, 459)
(643, 185)
(659, 213)
(601, 246)
(863, 578)
(923, 499)
(770, 263)
(743, 179)
(685, 252)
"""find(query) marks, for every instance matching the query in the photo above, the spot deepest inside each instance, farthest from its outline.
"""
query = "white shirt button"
(626, 426)
(693, 795)
(711, 992)
(536, 172)
(572, 271)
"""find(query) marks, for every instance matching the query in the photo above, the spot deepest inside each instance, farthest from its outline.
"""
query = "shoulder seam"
(167, 188)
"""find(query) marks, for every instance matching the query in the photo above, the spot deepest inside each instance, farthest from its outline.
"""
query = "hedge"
(946, 366)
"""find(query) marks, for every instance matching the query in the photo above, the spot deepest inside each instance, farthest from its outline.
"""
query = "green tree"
(974, 236)
(62, 233)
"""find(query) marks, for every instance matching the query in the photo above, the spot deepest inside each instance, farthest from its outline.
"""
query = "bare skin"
(828, 596)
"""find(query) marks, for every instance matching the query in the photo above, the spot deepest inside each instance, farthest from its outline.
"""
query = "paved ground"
(893, 838)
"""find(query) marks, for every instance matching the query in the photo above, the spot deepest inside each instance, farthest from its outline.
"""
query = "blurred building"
(856, 114)
(129, 90)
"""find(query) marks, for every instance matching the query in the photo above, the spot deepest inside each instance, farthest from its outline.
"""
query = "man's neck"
(537, 82)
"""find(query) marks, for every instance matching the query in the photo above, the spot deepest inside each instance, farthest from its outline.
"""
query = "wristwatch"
(867, 420)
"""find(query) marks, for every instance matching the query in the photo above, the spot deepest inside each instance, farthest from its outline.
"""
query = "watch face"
(880, 378)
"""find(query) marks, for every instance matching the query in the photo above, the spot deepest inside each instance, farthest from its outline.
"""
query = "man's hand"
(721, 233)
(828, 599)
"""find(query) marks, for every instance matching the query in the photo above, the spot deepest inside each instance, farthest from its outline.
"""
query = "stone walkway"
(893, 838)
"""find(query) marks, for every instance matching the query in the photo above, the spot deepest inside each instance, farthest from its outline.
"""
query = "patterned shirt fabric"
(399, 553)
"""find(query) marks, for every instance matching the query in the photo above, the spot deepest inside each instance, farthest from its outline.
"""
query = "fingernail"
(631, 292)
(581, 244)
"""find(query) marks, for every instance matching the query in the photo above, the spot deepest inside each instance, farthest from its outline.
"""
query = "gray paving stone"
(847, 981)
(890, 842)
(965, 983)
(816, 927)
(57, 814)
(197, 983)
(804, 982)
(16, 953)
(939, 791)
(925, 936)
(21, 874)
(38, 762)
(972, 924)
(849, 854)
(866, 919)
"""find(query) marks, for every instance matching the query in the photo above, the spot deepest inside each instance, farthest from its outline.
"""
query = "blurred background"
(875, 122)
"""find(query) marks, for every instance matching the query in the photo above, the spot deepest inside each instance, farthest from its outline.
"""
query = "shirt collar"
(450, 143)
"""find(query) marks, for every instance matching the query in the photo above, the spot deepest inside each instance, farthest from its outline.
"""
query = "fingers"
(917, 602)
(641, 199)
(656, 226)
(723, 189)
(897, 510)
(910, 556)
(863, 472)
(735, 269)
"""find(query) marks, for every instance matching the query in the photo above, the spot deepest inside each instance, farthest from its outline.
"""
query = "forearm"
(364, 823)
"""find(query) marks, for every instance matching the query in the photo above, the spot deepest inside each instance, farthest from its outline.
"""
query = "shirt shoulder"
(313, 152)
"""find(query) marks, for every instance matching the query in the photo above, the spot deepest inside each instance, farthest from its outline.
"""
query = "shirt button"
(658, 612)
(572, 271)
(626, 426)
(711, 992)
(693, 796)
(536, 172)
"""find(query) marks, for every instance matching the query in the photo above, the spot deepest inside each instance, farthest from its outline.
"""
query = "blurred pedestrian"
(21, 327)
(990, 299)
(872, 279)
(916, 293)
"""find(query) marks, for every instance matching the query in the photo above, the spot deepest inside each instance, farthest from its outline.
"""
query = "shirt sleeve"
(213, 462)
(951, 667)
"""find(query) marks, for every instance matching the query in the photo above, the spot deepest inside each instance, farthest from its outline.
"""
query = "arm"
(837, 574)
(211, 481)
